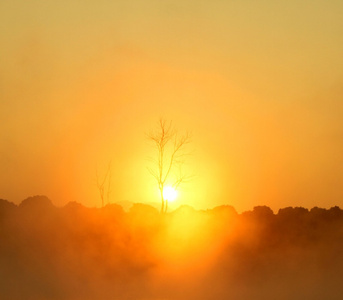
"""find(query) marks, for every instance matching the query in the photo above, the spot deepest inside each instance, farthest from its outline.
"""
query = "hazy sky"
(258, 83)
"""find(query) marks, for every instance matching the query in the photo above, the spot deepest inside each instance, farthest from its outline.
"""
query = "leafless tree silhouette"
(171, 154)
(104, 184)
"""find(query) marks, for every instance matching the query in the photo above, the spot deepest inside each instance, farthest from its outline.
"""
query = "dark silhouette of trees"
(76, 252)
(36, 203)
(6, 208)
(170, 157)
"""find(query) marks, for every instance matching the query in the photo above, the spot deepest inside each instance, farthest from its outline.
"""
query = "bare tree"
(104, 184)
(171, 154)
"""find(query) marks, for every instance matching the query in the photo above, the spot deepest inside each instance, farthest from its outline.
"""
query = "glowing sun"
(169, 193)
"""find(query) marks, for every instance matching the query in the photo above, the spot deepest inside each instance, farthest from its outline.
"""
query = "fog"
(74, 252)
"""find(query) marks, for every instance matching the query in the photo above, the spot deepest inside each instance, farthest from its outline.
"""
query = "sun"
(169, 193)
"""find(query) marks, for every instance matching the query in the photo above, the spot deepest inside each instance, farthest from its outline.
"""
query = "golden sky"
(258, 83)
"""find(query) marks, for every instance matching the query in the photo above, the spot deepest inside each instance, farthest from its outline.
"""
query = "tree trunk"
(162, 199)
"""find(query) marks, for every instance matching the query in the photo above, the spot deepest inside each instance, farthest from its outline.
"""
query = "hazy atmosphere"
(258, 85)
(171, 150)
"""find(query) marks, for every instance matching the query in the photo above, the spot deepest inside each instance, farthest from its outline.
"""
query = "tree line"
(75, 252)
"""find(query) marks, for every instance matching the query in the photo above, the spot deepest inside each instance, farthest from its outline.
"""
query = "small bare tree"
(104, 184)
(171, 154)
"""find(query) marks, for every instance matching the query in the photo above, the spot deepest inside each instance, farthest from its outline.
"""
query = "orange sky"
(258, 83)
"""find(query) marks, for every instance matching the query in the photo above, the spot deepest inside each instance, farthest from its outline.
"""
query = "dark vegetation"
(76, 252)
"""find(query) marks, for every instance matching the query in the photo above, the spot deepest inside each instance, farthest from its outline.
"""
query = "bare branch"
(170, 153)
(101, 183)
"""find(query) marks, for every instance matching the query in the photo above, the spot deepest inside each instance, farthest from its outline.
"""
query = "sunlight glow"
(169, 193)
